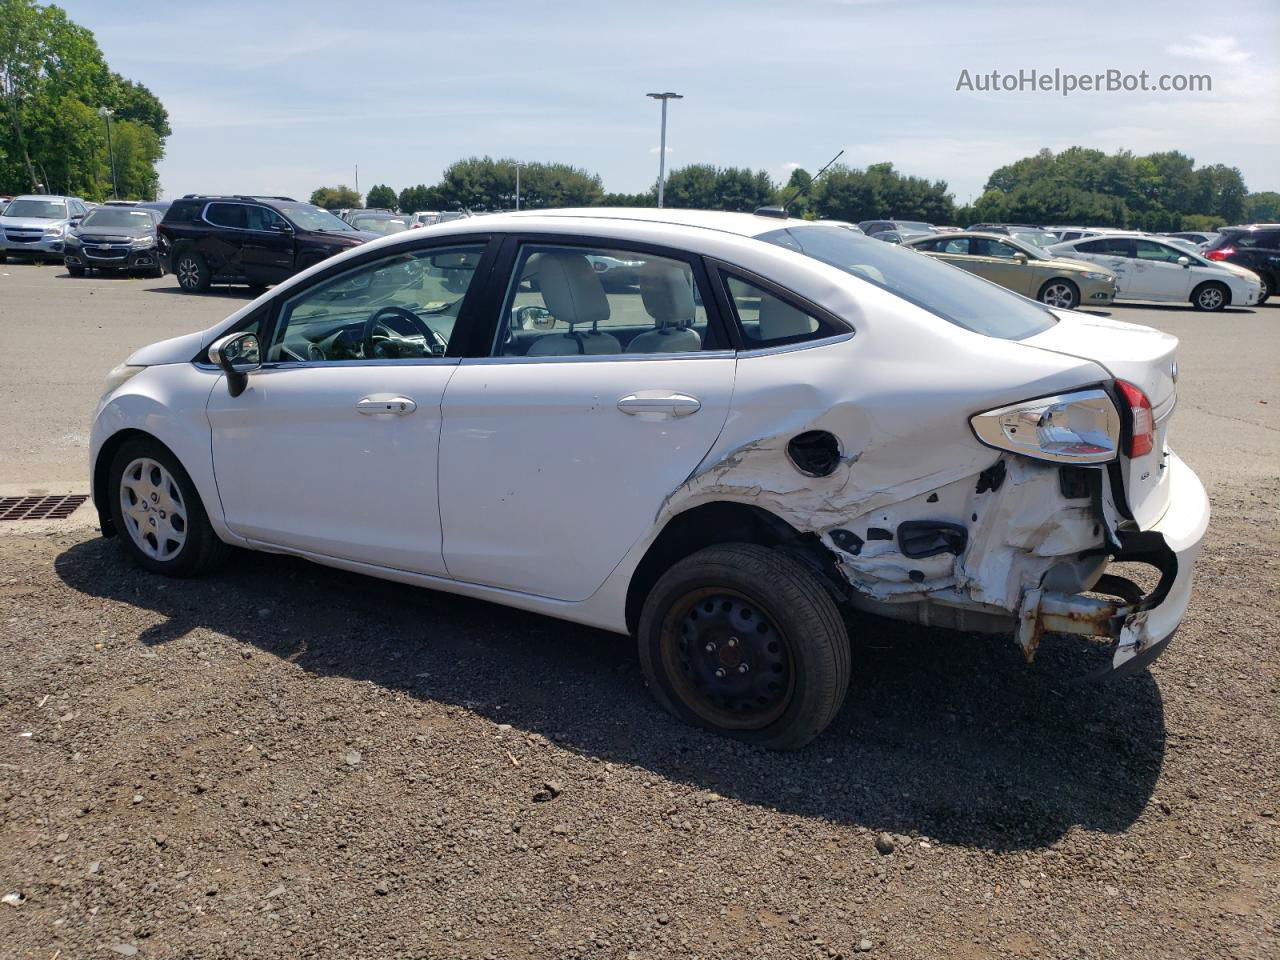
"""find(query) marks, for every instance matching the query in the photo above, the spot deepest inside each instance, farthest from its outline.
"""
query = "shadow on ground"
(951, 736)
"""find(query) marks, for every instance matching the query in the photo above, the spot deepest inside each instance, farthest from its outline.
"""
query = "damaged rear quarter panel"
(898, 396)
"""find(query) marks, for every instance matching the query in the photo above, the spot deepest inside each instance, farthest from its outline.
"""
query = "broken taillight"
(1142, 434)
(1078, 427)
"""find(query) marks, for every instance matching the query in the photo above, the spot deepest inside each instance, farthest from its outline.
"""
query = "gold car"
(1022, 267)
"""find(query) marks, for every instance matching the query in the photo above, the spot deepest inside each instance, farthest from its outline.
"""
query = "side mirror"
(1020, 257)
(1184, 261)
(238, 355)
(279, 227)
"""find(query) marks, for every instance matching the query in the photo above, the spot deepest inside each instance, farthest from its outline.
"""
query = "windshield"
(954, 295)
(38, 209)
(117, 217)
(382, 225)
(309, 217)
(1036, 241)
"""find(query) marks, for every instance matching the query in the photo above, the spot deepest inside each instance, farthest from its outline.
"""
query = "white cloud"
(1224, 50)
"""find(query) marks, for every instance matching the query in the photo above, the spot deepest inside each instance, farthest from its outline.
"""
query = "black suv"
(1255, 247)
(253, 240)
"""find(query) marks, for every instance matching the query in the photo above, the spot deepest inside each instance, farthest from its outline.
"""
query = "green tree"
(1262, 207)
(421, 197)
(647, 199)
(702, 186)
(381, 196)
(846, 193)
(53, 80)
(340, 197)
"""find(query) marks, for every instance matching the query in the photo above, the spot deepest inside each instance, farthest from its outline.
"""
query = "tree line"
(1161, 191)
(53, 81)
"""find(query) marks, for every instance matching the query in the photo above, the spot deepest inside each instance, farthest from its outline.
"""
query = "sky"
(281, 97)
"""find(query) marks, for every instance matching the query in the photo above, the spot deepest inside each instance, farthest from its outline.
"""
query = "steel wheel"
(727, 659)
(155, 515)
(1060, 294)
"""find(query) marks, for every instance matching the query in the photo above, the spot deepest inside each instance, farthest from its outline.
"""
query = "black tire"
(75, 269)
(1059, 293)
(1211, 296)
(201, 550)
(192, 271)
(790, 629)
(4, 257)
(1268, 288)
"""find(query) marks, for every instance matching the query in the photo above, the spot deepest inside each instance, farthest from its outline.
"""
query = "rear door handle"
(659, 401)
(389, 404)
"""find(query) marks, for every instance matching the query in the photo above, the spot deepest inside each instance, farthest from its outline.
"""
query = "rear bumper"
(1138, 625)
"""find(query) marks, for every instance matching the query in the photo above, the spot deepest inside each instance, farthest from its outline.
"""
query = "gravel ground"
(288, 761)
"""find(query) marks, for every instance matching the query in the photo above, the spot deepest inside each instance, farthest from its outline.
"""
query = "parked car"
(378, 222)
(1147, 268)
(252, 240)
(423, 218)
(114, 238)
(1022, 267)
(1001, 227)
(904, 229)
(701, 471)
(35, 225)
(1199, 237)
(1255, 247)
(349, 215)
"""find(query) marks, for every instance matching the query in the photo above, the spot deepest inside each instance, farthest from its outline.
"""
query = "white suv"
(775, 421)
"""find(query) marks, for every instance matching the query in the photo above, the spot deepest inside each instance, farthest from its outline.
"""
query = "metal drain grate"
(40, 508)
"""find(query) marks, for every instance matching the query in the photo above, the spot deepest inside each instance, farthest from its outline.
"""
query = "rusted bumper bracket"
(1120, 616)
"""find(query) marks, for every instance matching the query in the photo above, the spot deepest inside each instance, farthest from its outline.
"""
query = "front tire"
(1059, 293)
(1211, 296)
(157, 512)
(75, 269)
(746, 641)
(1267, 289)
(192, 271)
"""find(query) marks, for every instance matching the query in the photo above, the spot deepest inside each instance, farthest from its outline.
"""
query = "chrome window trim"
(316, 364)
(606, 357)
(204, 215)
(801, 345)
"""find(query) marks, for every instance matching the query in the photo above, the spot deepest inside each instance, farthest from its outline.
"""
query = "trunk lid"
(1144, 357)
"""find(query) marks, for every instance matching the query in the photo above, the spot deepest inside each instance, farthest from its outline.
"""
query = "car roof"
(741, 224)
(44, 196)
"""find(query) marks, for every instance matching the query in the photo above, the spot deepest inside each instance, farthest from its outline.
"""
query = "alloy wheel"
(188, 273)
(1059, 295)
(155, 514)
(1210, 298)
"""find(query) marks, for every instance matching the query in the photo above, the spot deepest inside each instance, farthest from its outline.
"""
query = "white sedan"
(778, 421)
(1153, 268)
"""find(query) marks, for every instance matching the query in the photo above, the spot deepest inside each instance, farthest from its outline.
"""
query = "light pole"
(518, 164)
(105, 113)
(662, 146)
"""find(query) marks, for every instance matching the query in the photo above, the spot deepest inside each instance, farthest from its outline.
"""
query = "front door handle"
(390, 404)
(659, 401)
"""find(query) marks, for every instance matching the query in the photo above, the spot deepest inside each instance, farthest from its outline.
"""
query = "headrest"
(570, 288)
(666, 290)
(779, 319)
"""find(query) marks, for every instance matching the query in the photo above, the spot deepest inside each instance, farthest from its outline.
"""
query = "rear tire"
(192, 272)
(746, 641)
(1059, 293)
(1211, 296)
(76, 270)
(158, 515)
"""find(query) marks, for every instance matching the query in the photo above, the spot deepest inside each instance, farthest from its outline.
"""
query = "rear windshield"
(949, 292)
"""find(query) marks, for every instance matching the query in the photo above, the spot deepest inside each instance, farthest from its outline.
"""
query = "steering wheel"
(435, 342)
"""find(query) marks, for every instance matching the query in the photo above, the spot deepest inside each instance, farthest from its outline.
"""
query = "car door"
(997, 261)
(952, 250)
(1157, 274)
(222, 248)
(331, 448)
(1113, 253)
(559, 447)
(267, 253)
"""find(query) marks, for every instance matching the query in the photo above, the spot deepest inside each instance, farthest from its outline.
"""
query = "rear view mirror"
(455, 261)
(238, 355)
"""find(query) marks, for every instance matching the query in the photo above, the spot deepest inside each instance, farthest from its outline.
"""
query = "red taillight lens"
(1220, 255)
(1142, 437)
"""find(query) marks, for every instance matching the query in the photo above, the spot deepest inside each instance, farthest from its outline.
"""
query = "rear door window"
(227, 215)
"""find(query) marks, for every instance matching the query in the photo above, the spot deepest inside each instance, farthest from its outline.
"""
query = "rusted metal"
(1075, 614)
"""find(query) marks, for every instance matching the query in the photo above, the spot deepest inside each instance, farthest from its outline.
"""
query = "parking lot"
(284, 760)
